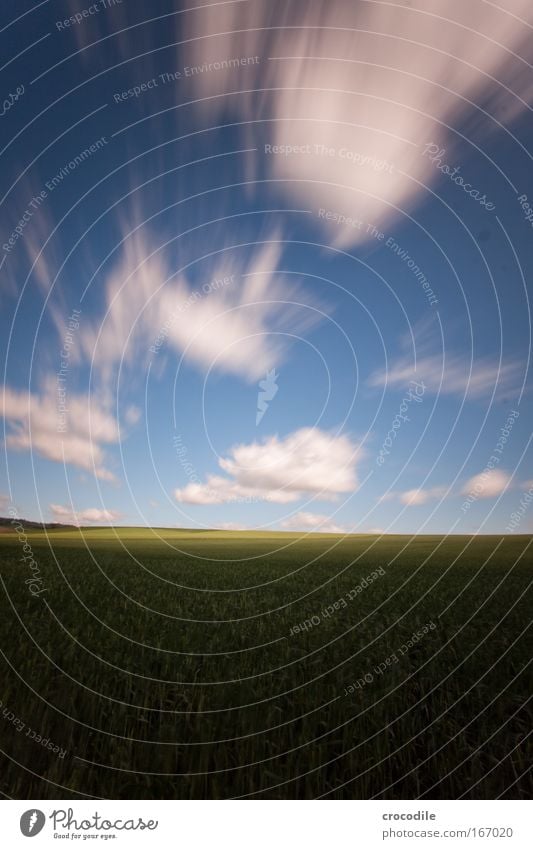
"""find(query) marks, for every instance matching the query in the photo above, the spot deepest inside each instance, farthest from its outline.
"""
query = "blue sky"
(314, 209)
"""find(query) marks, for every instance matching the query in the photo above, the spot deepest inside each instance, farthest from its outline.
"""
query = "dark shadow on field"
(223, 665)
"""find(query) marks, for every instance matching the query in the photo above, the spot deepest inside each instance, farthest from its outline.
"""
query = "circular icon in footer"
(32, 822)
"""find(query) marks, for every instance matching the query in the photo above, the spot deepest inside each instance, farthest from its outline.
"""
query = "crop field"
(151, 664)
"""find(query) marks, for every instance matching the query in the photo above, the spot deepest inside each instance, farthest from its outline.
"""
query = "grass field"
(183, 664)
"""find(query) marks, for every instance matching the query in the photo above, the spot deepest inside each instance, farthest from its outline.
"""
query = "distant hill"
(8, 524)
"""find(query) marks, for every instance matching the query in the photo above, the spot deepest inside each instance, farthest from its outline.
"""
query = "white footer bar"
(257, 824)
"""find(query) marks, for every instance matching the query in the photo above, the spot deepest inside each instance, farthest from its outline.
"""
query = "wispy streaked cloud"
(307, 462)
(228, 322)
(369, 81)
(35, 255)
(451, 374)
(444, 368)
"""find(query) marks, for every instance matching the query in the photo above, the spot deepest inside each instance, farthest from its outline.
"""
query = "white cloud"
(230, 526)
(488, 484)
(4, 501)
(132, 414)
(91, 515)
(379, 80)
(422, 496)
(308, 461)
(318, 522)
(219, 490)
(35, 419)
(415, 497)
(224, 322)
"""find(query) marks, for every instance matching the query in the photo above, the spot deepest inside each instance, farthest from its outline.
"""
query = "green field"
(178, 664)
